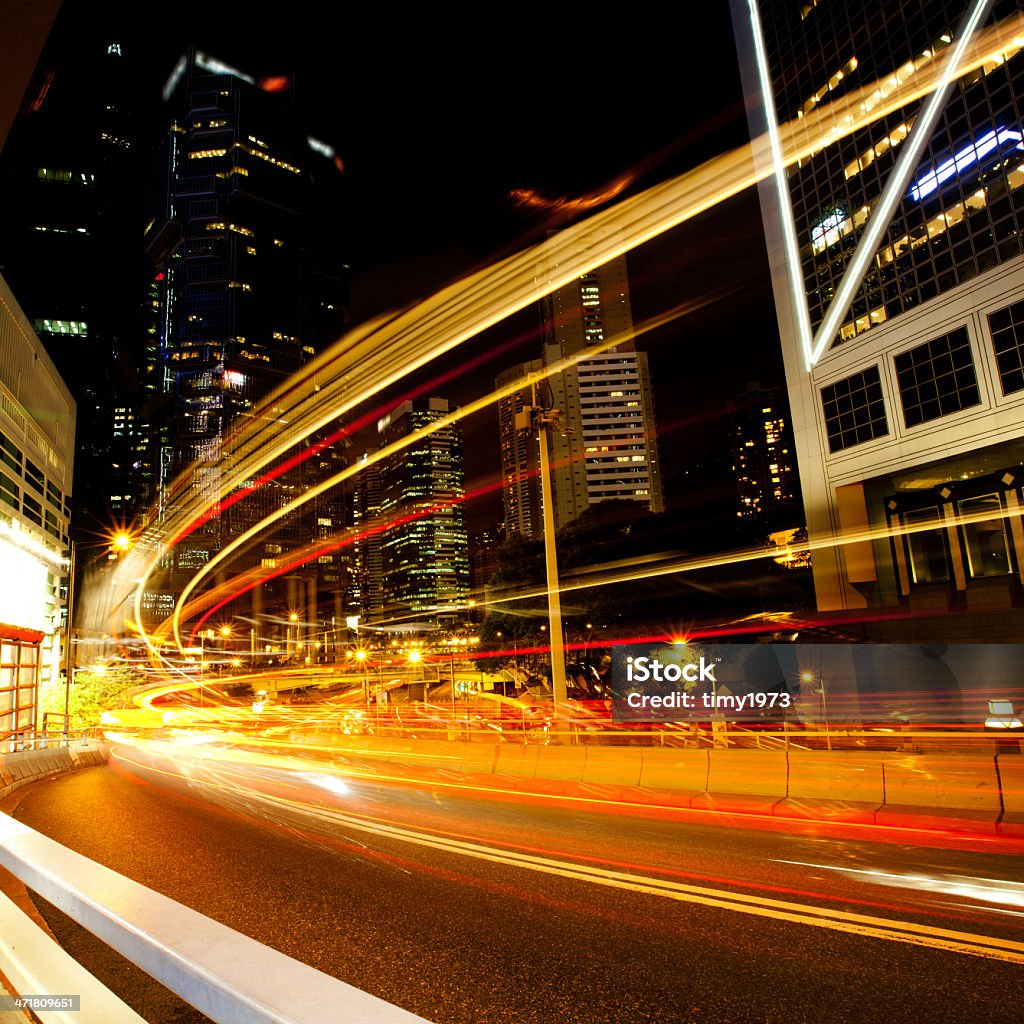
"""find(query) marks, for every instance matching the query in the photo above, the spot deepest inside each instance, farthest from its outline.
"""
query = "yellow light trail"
(606, 575)
(889, 929)
(402, 443)
(380, 354)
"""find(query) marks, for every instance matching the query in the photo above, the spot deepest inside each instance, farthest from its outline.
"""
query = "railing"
(46, 739)
(228, 976)
(538, 724)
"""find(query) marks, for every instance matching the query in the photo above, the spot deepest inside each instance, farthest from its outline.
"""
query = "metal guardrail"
(13, 743)
(230, 977)
(34, 965)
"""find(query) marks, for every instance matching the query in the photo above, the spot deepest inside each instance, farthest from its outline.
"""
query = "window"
(854, 410)
(10, 453)
(9, 491)
(929, 560)
(79, 327)
(937, 378)
(987, 550)
(34, 475)
(1007, 326)
(32, 509)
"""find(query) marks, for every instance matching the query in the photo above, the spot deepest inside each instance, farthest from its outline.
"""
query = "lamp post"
(451, 661)
(69, 659)
(543, 421)
(361, 658)
(809, 677)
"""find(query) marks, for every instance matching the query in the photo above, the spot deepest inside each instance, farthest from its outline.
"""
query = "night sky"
(438, 120)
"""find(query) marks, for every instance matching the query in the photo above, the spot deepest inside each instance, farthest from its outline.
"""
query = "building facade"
(608, 447)
(415, 549)
(247, 287)
(909, 428)
(764, 462)
(37, 446)
(71, 204)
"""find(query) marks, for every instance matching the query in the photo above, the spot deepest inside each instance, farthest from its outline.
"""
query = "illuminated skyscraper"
(763, 459)
(909, 421)
(609, 447)
(248, 284)
(423, 546)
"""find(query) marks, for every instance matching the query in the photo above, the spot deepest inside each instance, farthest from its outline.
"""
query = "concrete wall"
(854, 785)
(25, 766)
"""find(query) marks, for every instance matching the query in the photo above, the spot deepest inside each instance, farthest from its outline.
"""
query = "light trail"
(385, 351)
(401, 444)
(231, 765)
(603, 575)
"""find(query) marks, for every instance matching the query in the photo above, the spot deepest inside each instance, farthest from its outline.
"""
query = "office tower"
(37, 448)
(418, 560)
(763, 459)
(71, 204)
(483, 563)
(608, 448)
(368, 592)
(910, 420)
(520, 460)
(248, 287)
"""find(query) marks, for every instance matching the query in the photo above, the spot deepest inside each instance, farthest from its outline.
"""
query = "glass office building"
(910, 426)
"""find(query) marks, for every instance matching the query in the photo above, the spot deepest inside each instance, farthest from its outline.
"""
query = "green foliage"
(92, 693)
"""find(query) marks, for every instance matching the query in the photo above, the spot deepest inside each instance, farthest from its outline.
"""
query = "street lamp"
(360, 656)
(808, 677)
(541, 422)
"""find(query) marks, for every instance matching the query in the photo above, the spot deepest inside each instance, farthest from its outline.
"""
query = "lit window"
(74, 327)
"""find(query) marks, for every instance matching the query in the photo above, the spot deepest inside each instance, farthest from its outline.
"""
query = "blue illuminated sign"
(965, 159)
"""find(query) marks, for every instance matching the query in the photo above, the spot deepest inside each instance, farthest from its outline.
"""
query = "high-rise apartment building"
(608, 448)
(909, 421)
(247, 288)
(415, 559)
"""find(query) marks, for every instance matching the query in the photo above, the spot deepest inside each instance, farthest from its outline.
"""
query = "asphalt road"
(467, 909)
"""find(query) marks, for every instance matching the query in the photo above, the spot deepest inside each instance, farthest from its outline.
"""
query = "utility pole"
(543, 421)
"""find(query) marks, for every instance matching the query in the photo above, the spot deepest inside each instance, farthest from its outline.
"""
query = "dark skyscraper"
(71, 206)
(248, 283)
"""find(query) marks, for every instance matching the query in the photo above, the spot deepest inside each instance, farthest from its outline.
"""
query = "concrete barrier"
(518, 760)
(1011, 777)
(21, 767)
(759, 773)
(681, 770)
(563, 764)
(479, 757)
(613, 766)
(944, 787)
(853, 776)
(839, 785)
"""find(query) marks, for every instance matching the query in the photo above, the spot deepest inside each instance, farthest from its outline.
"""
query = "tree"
(93, 691)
